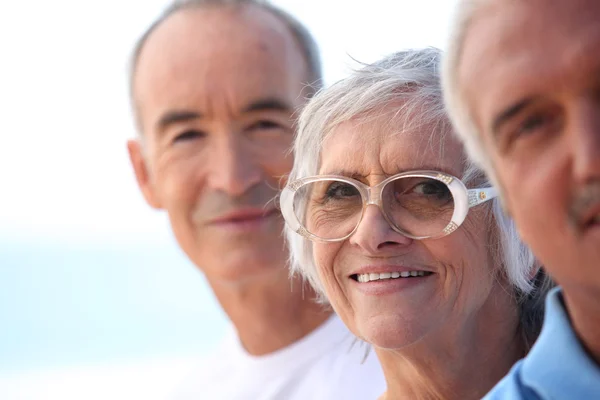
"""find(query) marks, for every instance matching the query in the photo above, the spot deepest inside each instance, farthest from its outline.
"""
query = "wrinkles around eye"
(318, 219)
(421, 210)
(429, 212)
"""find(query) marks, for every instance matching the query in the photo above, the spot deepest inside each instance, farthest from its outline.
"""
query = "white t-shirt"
(326, 364)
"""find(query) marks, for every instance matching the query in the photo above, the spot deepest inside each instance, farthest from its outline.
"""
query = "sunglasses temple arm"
(480, 196)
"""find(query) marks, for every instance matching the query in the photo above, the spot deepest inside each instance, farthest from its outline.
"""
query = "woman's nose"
(374, 233)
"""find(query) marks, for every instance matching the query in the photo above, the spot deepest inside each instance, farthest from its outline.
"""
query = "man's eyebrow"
(268, 104)
(509, 113)
(174, 117)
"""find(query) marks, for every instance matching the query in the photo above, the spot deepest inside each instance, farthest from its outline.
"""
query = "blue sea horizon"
(70, 304)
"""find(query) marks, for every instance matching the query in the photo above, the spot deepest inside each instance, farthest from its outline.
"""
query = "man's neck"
(583, 307)
(272, 313)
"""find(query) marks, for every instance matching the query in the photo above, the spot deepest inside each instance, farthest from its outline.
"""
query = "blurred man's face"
(215, 90)
(531, 73)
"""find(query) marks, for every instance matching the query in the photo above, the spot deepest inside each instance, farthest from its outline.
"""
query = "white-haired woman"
(404, 237)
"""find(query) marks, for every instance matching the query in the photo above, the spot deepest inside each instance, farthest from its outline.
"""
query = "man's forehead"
(215, 33)
(492, 37)
(506, 20)
(199, 34)
(239, 24)
(198, 52)
(514, 44)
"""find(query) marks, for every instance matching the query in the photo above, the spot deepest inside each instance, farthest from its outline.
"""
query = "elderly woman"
(404, 237)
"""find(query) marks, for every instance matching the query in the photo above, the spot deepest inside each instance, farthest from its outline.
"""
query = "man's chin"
(244, 262)
(235, 275)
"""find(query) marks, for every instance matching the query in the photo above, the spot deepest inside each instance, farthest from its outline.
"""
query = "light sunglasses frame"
(464, 200)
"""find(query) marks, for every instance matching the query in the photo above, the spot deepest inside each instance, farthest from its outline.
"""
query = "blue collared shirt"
(557, 367)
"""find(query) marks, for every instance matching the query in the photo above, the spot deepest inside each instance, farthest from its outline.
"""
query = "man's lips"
(243, 216)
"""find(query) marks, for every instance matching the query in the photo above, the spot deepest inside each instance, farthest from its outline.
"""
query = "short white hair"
(458, 110)
(411, 80)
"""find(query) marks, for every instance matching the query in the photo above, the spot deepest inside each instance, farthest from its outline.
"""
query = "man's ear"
(505, 208)
(140, 168)
(537, 265)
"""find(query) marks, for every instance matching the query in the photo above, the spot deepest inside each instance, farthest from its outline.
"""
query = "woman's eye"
(188, 135)
(340, 190)
(437, 189)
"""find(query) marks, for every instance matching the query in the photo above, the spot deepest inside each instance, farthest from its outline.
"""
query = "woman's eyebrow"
(361, 176)
(355, 174)
(345, 172)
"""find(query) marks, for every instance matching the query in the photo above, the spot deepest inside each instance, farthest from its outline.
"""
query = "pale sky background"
(96, 300)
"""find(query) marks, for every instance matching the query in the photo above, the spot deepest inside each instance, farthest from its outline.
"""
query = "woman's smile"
(380, 280)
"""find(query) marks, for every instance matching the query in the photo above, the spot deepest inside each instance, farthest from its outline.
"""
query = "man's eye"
(264, 125)
(547, 121)
(188, 135)
(533, 123)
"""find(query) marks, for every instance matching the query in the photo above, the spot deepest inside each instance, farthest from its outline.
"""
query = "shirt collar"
(558, 366)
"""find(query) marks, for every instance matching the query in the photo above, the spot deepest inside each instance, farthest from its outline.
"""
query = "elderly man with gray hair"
(522, 85)
(215, 85)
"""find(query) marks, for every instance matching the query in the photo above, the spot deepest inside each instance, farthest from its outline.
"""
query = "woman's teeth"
(363, 278)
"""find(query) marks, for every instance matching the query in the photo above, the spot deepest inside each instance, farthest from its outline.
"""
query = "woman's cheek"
(327, 258)
(323, 260)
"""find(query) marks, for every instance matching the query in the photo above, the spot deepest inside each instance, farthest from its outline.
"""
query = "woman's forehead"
(363, 148)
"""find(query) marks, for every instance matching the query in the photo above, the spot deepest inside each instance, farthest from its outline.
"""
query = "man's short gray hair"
(410, 80)
(458, 110)
(306, 42)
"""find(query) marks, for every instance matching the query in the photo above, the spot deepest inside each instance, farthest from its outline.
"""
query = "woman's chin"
(388, 342)
(393, 332)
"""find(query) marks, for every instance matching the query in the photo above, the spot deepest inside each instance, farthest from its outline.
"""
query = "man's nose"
(585, 134)
(375, 235)
(234, 168)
